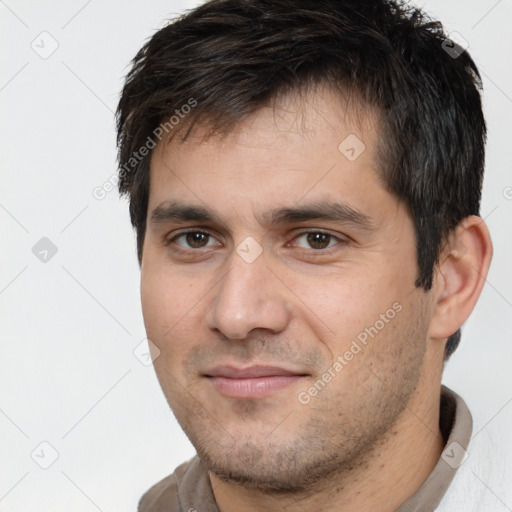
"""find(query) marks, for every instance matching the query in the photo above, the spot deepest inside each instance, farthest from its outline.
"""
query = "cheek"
(342, 304)
(165, 302)
(357, 313)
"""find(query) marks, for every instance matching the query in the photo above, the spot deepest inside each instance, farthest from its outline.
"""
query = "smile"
(252, 382)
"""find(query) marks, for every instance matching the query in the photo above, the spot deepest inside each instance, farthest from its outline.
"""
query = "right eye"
(193, 239)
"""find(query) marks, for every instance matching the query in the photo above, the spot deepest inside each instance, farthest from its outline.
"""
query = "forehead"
(305, 113)
(299, 144)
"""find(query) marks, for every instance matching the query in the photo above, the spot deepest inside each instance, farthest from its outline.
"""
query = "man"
(304, 179)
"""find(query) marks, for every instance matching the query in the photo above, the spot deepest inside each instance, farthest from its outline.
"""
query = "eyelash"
(327, 250)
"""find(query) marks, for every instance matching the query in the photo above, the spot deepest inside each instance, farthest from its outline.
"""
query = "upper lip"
(232, 372)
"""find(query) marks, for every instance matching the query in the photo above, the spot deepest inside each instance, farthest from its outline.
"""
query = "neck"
(392, 473)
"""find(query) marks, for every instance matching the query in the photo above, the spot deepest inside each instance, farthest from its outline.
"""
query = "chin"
(271, 469)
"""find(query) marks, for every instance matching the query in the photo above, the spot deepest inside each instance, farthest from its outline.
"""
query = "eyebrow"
(169, 211)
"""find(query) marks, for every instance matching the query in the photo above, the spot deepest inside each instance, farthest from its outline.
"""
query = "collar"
(456, 425)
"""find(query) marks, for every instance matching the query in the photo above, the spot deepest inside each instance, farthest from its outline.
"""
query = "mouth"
(251, 382)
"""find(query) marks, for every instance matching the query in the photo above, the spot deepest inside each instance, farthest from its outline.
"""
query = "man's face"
(251, 311)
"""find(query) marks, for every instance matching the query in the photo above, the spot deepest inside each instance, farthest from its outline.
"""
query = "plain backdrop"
(76, 395)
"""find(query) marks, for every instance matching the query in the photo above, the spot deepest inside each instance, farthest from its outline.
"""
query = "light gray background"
(69, 326)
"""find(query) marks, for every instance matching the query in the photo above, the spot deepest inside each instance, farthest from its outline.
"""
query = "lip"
(251, 382)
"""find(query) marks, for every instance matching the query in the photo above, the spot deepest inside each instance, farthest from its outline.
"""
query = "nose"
(250, 296)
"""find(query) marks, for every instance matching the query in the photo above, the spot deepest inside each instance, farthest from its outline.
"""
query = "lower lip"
(254, 387)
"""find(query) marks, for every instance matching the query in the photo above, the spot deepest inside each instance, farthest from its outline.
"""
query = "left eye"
(317, 240)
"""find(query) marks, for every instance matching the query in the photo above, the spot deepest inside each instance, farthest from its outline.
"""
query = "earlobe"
(460, 276)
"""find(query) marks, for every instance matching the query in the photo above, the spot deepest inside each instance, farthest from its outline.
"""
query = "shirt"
(188, 489)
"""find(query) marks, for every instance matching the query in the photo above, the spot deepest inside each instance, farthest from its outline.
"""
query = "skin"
(370, 437)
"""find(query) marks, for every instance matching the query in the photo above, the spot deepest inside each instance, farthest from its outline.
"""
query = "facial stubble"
(341, 434)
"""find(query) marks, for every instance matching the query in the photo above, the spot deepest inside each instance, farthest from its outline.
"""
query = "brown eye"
(194, 240)
(316, 240)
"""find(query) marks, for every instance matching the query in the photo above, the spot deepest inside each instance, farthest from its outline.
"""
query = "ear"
(460, 276)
